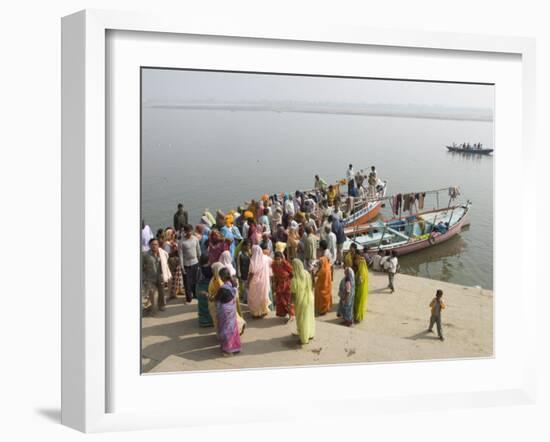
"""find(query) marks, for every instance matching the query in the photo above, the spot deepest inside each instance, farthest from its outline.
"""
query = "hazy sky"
(179, 85)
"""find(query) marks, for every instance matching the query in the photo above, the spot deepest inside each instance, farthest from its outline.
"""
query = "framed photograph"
(266, 209)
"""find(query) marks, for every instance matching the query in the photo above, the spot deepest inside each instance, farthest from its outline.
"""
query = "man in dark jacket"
(338, 230)
(180, 218)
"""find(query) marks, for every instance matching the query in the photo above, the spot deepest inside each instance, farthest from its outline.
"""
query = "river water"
(220, 158)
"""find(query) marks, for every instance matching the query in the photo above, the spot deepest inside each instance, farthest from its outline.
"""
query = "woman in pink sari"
(259, 275)
(226, 311)
(227, 261)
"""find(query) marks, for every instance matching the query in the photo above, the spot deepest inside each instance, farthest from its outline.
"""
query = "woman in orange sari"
(323, 283)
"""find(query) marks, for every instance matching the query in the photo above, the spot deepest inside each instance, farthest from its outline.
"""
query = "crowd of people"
(277, 253)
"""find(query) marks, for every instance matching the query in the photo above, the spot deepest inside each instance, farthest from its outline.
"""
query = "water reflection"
(442, 261)
(474, 158)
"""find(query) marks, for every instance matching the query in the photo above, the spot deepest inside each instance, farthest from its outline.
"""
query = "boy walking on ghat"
(389, 264)
(437, 305)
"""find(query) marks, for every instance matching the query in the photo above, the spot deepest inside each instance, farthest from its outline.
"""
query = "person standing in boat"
(359, 179)
(350, 176)
(320, 184)
(373, 179)
(181, 218)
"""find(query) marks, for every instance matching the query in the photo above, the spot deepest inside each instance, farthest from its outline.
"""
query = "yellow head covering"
(228, 220)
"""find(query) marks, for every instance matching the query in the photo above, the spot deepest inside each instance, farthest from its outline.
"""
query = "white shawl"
(166, 275)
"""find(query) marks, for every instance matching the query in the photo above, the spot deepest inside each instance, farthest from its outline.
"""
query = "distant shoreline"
(368, 110)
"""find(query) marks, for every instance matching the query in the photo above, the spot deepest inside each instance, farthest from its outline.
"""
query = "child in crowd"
(390, 265)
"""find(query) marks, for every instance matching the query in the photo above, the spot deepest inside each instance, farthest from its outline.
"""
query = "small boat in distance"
(468, 148)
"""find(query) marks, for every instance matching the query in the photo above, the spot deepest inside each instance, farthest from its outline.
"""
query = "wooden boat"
(410, 233)
(367, 210)
(471, 150)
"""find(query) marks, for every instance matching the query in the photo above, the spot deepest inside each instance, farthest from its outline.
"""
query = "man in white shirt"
(289, 207)
(330, 238)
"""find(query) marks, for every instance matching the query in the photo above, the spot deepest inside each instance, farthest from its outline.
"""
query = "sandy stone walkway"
(394, 329)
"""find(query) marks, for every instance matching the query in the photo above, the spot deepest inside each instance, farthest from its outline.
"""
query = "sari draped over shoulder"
(323, 287)
(361, 291)
(227, 261)
(228, 327)
(302, 292)
(282, 275)
(213, 287)
(348, 259)
(292, 243)
(205, 320)
(259, 282)
(347, 296)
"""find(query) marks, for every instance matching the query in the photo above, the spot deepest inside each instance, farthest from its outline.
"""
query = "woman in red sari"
(282, 275)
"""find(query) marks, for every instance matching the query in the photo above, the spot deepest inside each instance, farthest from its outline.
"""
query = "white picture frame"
(85, 215)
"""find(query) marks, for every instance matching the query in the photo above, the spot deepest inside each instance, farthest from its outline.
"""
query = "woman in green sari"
(304, 301)
(361, 288)
(205, 275)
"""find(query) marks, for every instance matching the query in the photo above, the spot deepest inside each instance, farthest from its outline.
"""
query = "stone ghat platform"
(394, 329)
